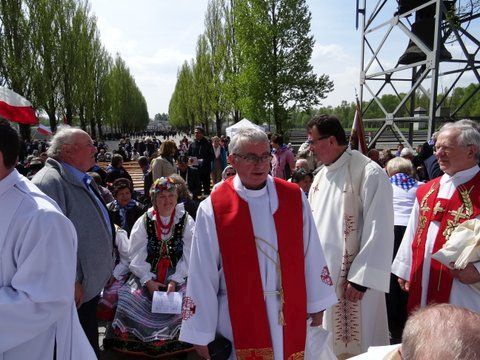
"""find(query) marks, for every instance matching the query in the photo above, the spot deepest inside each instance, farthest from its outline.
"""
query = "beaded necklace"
(163, 229)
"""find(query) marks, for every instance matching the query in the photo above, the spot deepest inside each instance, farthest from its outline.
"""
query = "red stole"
(463, 205)
(251, 332)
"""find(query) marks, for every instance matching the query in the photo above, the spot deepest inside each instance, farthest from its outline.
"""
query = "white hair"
(246, 135)
(406, 152)
(422, 337)
(469, 133)
(64, 135)
(302, 163)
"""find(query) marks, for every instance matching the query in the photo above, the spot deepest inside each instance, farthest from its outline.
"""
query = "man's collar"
(460, 175)
(271, 191)
(341, 159)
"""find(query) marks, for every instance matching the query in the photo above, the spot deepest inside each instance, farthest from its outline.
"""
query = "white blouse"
(138, 248)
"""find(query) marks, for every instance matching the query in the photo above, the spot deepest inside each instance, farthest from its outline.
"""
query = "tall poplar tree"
(276, 48)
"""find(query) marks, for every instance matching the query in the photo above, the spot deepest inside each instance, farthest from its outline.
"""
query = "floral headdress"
(162, 184)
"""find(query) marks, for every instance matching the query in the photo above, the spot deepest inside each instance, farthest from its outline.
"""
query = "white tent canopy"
(242, 124)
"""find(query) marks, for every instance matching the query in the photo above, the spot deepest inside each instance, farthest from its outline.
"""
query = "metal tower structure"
(452, 25)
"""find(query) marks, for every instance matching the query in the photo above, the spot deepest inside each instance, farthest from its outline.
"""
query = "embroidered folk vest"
(170, 248)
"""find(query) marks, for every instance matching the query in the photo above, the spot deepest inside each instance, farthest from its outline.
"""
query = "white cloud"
(328, 54)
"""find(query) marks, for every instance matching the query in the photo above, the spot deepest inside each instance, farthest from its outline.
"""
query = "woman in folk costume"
(160, 244)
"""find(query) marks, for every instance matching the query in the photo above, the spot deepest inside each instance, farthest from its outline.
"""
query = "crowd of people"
(325, 254)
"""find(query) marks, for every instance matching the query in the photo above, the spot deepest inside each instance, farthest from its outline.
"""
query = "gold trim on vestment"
(297, 356)
(255, 354)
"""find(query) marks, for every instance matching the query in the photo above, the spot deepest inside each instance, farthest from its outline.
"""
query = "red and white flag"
(45, 130)
(357, 136)
(16, 108)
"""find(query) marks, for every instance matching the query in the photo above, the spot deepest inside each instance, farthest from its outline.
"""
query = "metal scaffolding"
(378, 75)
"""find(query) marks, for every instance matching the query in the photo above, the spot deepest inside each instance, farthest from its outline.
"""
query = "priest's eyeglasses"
(313, 141)
(254, 159)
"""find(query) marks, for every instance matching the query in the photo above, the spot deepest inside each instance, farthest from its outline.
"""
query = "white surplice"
(461, 294)
(371, 266)
(37, 273)
(206, 281)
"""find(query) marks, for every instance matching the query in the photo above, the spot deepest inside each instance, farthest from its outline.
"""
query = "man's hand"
(153, 286)
(352, 294)
(469, 275)
(202, 350)
(317, 318)
(404, 284)
(78, 294)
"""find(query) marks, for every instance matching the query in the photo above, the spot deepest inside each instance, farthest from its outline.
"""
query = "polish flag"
(45, 130)
(16, 108)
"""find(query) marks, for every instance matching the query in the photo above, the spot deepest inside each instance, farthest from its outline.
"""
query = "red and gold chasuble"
(463, 205)
(251, 332)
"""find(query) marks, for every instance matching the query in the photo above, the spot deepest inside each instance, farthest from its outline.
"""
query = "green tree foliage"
(181, 109)
(50, 52)
(161, 117)
(203, 97)
(253, 61)
(215, 36)
(128, 108)
(15, 44)
(276, 48)
(231, 88)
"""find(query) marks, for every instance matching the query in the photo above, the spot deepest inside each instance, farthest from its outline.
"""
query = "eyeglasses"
(448, 149)
(254, 159)
(313, 141)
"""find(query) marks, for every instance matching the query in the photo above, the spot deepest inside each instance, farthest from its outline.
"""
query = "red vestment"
(462, 206)
(251, 332)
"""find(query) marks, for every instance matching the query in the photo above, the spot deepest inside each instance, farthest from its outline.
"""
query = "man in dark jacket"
(202, 149)
(190, 175)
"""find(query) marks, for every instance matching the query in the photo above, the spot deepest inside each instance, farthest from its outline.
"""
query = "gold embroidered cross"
(459, 214)
(438, 208)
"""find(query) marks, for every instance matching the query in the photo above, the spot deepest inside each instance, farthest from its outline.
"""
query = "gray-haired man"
(64, 179)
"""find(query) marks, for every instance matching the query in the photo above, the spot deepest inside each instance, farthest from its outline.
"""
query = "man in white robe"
(37, 269)
(208, 314)
(458, 152)
(351, 200)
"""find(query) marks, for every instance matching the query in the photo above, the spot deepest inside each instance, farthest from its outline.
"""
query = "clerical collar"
(256, 193)
(269, 189)
(460, 176)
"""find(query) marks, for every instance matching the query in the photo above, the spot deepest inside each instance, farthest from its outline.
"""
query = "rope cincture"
(280, 292)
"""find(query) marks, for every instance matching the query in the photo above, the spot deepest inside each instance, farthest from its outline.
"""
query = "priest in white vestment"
(458, 152)
(211, 297)
(351, 200)
(37, 269)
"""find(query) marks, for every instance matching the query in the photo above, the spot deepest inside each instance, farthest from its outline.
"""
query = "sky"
(155, 37)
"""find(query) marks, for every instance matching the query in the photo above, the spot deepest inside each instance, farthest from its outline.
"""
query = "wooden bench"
(133, 169)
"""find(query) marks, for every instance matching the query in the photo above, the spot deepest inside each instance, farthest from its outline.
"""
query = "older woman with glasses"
(159, 252)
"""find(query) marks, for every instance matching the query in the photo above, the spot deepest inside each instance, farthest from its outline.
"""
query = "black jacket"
(202, 149)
